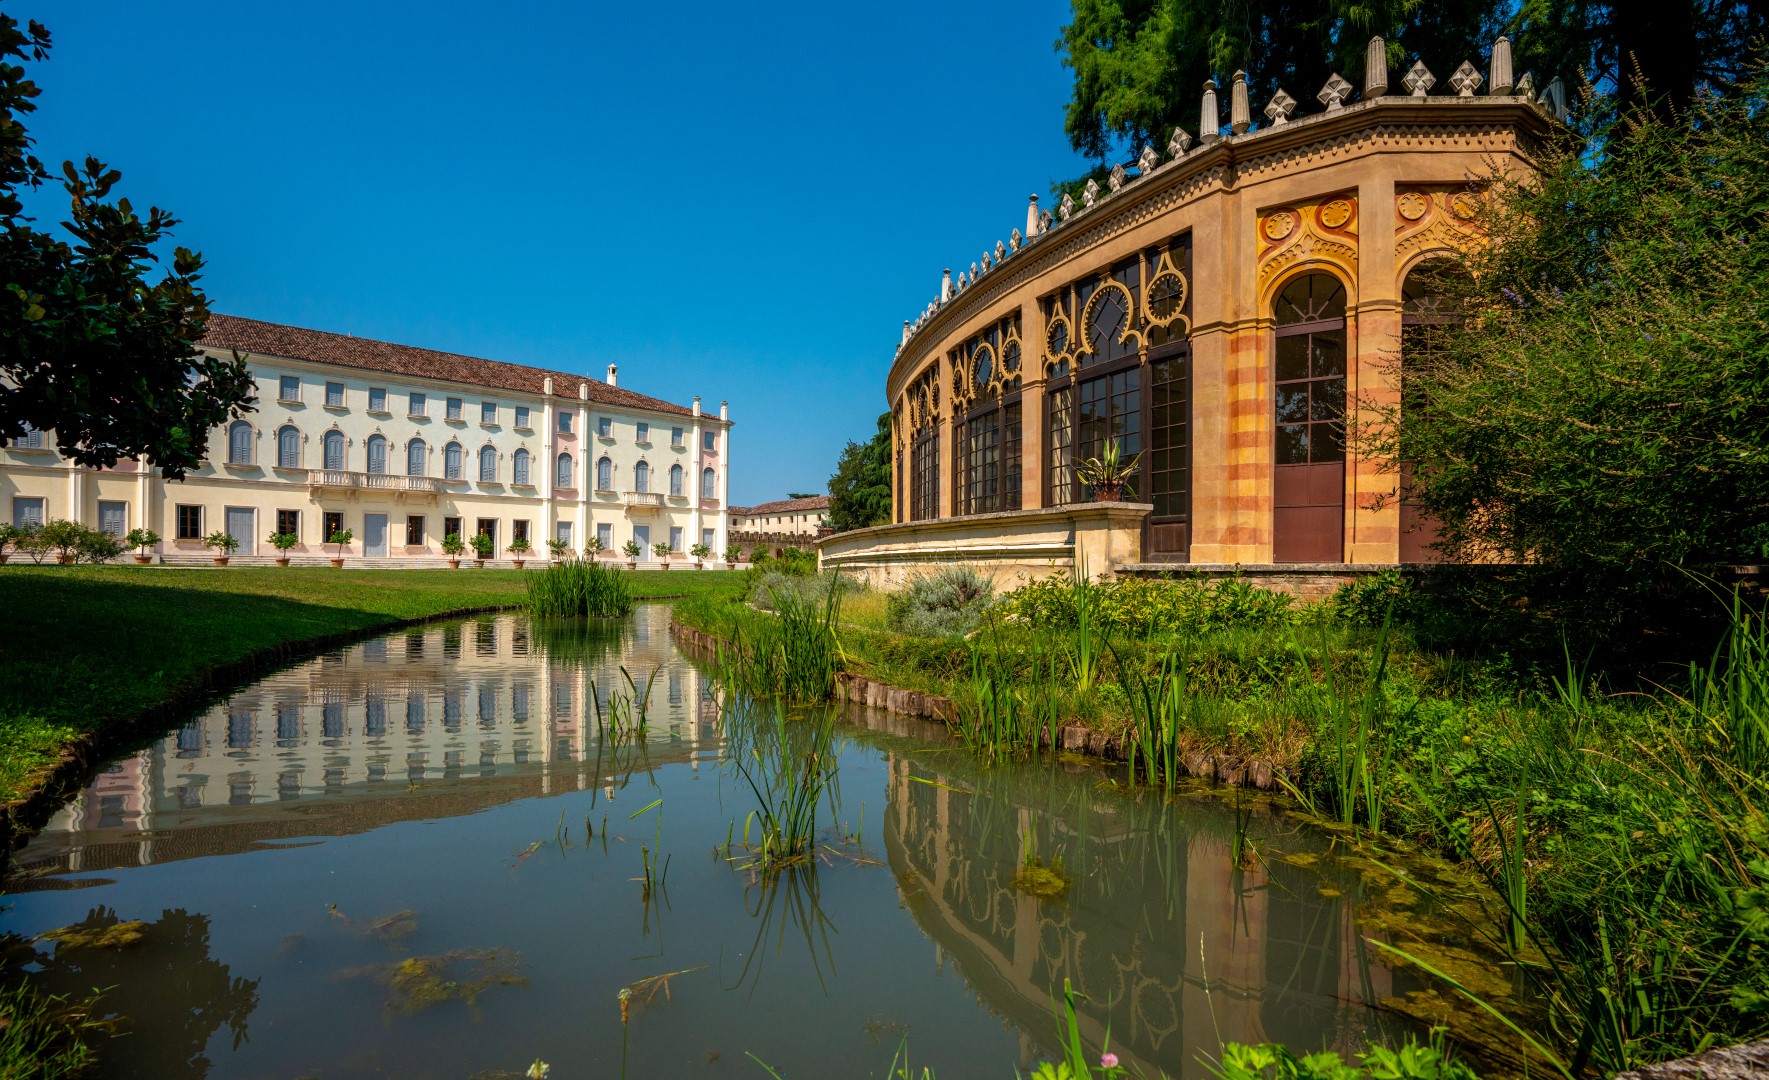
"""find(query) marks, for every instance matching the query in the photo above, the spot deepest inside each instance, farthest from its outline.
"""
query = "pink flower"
(1108, 1061)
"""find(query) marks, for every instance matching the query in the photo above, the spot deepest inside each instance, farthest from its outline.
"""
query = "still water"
(415, 857)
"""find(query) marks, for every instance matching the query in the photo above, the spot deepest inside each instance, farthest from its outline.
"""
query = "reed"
(789, 768)
(1085, 637)
(794, 654)
(575, 589)
(1160, 708)
(1349, 716)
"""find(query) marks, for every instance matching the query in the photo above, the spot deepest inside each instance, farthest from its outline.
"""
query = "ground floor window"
(488, 527)
(1060, 421)
(190, 522)
(288, 522)
(414, 530)
(332, 525)
(605, 536)
(924, 464)
(707, 536)
(518, 531)
(451, 526)
(988, 467)
(113, 518)
(562, 533)
(676, 539)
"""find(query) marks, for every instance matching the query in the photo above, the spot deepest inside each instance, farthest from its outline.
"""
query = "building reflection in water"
(434, 721)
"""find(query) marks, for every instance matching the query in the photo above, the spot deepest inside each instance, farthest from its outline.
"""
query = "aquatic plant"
(1047, 881)
(1160, 709)
(420, 982)
(1005, 713)
(789, 768)
(794, 654)
(576, 588)
(1347, 718)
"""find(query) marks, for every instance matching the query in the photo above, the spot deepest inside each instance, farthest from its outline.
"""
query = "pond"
(416, 857)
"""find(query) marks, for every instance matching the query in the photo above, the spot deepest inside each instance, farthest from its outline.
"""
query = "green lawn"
(87, 648)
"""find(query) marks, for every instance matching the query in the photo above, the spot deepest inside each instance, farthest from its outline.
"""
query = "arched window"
(1308, 396)
(239, 443)
(377, 454)
(1428, 312)
(709, 483)
(1106, 326)
(488, 465)
(415, 453)
(451, 461)
(604, 475)
(642, 477)
(288, 447)
(520, 462)
(334, 444)
(565, 474)
(675, 480)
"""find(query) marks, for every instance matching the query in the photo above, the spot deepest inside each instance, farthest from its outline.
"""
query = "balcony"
(381, 482)
(644, 502)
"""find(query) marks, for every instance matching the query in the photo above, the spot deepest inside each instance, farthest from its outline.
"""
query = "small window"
(676, 437)
(288, 447)
(605, 427)
(451, 461)
(417, 405)
(334, 445)
(454, 408)
(488, 465)
(564, 422)
(676, 539)
(414, 530)
(644, 433)
(32, 439)
(488, 412)
(522, 417)
(288, 388)
(451, 526)
(333, 523)
(334, 395)
(520, 470)
(30, 513)
(605, 535)
(707, 536)
(377, 454)
(562, 533)
(709, 440)
(518, 530)
(113, 518)
(239, 443)
(288, 522)
(377, 399)
(604, 475)
(190, 522)
(415, 454)
(565, 473)
(675, 480)
(642, 477)
(709, 483)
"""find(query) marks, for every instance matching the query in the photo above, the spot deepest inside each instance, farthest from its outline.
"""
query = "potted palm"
(1107, 473)
(732, 554)
(139, 539)
(282, 542)
(482, 548)
(662, 551)
(632, 549)
(342, 538)
(224, 545)
(702, 552)
(519, 547)
(453, 546)
(558, 550)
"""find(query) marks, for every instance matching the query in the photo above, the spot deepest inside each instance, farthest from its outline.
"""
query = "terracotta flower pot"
(337, 564)
(517, 563)
(454, 564)
(479, 563)
(663, 565)
(221, 560)
(68, 560)
(283, 561)
(730, 565)
(632, 564)
(1108, 492)
(140, 560)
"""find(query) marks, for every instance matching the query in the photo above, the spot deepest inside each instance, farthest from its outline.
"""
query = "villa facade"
(1231, 310)
(403, 446)
(780, 524)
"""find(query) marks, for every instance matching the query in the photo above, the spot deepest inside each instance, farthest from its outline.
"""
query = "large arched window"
(451, 461)
(1428, 312)
(288, 447)
(520, 465)
(986, 431)
(1108, 324)
(642, 477)
(565, 476)
(1308, 402)
(604, 475)
(709, 483)
(415, 454)
(488, 465)
(239, 443)
(676, 480)
(377, 447)
(334, 449)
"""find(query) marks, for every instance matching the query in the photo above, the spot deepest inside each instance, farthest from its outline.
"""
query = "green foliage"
(45, 1035)
(520, 546)
(89, 347)
(453, 546)
(701, 551)
(284, 541)
(139, 539)
(949, 603)
(1373, 599)
(860, 489)
(1600, 414)
(482, 544)
(574, 589)
(733, 552)
(632, 549)
(224, 543)
(788, 767)
(1413, 1061)
(791, 561)
(793, 654)
(661, 550)
(1141, 606)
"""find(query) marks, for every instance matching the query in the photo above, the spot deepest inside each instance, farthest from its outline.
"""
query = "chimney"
(1375, 68)
(1032, 217)
(583, 391)
(547, 386)
(611, 380)
(696, 405)
(724, 411)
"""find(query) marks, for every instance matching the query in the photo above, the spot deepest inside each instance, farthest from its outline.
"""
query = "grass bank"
(90, 649)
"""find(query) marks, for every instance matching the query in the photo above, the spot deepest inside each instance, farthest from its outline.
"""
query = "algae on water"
(419, 982)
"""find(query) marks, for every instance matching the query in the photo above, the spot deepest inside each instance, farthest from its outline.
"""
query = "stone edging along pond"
(50, 786)
(1074, 737)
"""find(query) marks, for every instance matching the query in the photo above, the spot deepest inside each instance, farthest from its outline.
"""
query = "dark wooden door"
(1308, 513)
(1308, 454)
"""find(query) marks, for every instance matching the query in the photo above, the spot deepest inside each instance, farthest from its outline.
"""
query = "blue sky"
(739, 201)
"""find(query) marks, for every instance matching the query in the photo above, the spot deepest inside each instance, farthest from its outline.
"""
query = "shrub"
(63, 536)
(950, 603)
(790, 561)
(96, 546)
(1140, 606)
(1371, 601)
(572, 588)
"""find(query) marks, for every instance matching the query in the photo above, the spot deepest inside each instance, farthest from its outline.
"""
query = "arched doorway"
(1308, 476)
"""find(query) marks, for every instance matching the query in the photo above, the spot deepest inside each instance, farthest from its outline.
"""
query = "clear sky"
(737, 200)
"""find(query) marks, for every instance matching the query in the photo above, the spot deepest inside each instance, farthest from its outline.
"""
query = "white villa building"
(403, 446)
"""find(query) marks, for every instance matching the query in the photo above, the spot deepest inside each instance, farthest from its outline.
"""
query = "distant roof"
(783, 506)
(322, 347)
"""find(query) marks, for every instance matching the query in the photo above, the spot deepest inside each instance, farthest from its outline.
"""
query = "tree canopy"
(89, 347)
(860, 489)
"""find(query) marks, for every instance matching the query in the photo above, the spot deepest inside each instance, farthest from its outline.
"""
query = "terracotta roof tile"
(783, 506)
(319, 346)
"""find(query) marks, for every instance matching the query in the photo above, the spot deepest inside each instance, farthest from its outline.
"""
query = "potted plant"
(558, 550)
(632, 549)
(701, 552)
(97, 546)
(1107, 473)
(519, 547)
(64, 537)
(342, 538)
(139, 539)
(482, 547)
(29, 542)
(224, 545)
(282, 542)
(453, 546)
(10, 535)
(732, 554)
(593, 547)
(662, 551)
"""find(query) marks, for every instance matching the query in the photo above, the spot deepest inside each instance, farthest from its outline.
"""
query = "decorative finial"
(1419, 79)
(1500, 84)
(1280, 107)
(1090, 193)
(1180, 143)
(1240, 110)
(1465, 80)
(1032, 217)
(1526, 87)
(1014, 241)
(945, 285)
(1116, 180)
(1333, 94)
(1209, 117)
(1147, 160)
(1066, 208)
(1375, 68)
